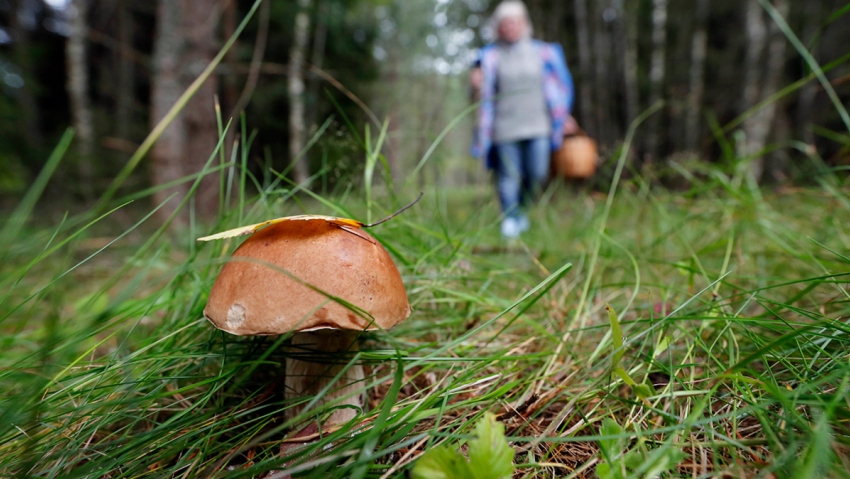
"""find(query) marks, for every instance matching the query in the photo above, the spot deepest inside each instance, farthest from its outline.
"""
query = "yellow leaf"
(247, 230)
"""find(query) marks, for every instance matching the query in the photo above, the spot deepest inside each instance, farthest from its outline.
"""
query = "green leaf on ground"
(641, 390)
(442, 463)
(490, 456)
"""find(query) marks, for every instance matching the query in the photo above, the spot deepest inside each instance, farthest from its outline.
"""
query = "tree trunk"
(230, 83)
(125, 96)
(657, 72)
(166, 155)
(756, 37)
(699, 44)
(756, 30)
(22, 56)
(200, 111)
(296, 90)
(766, 118)
(626, 38)
(239, 104)
(805, 103)
(585, 80)
(78, 91)
(601, 58)
(317, 59)
(555, 18)
(185, 43)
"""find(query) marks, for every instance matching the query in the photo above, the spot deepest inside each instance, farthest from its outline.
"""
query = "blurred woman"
(526, 94)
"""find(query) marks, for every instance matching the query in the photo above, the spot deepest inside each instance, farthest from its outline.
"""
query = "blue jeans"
(522, 168)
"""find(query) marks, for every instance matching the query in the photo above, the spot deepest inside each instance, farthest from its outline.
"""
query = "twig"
(256, 61)
(396, 213)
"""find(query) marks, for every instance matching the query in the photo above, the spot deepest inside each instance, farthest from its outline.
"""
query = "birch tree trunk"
(699, 44)
(756, 36)
(296, 90)
(184, 45)
(78, 91)
(756, 30)
(763, 122)
(657, 71)
(585, 80)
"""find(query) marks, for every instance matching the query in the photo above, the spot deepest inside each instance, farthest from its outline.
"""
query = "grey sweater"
(521, 112)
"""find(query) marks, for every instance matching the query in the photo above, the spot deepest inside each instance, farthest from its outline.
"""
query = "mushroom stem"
(308, 379)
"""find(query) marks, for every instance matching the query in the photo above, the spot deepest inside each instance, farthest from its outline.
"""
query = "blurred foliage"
(351, 30)
(407, 61)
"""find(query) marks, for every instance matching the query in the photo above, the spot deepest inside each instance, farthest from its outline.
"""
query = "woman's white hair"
(510, 9)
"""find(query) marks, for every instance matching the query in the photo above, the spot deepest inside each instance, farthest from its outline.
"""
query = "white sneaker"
(524, 224)
(511, 227)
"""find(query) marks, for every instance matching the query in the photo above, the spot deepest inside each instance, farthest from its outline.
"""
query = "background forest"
(113, 68)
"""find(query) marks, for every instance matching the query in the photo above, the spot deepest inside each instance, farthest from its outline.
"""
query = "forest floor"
(733, 304)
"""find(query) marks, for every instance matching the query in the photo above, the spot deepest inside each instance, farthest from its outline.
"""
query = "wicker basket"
(576, 158)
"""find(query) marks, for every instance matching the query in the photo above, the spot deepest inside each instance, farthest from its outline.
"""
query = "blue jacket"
(557, 88)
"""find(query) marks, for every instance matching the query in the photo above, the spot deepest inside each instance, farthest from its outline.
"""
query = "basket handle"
(579, 131)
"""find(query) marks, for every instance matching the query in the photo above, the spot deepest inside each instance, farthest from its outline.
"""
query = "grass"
(732, 301)
(730, 315)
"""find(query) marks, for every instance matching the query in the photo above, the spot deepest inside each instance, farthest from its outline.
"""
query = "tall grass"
(733, 302)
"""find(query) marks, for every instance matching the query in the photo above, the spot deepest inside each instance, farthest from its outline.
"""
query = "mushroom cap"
(252, 298)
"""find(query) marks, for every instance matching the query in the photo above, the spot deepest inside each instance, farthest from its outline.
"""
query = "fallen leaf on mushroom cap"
(343, 223)
(251, 229)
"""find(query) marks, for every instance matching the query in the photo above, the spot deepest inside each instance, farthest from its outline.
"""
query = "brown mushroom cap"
(250, 298)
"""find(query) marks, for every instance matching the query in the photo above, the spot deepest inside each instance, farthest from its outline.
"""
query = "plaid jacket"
(557, 88)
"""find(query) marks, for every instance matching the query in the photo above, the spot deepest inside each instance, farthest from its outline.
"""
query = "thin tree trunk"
(756, 37)
(317, 59)
(766, 118)
(239, 105)
(556, 18)
(756, 30)
(202, 46)
(626, 39)
(167, 153)
(185, 43)
(397, 120)
(601, 58)
(230, 83)
(699, 44)
(657, 71)
(22, 55)
(126, 69)
(76, 54)
(805, 103)
(585, 98)
(296, 90)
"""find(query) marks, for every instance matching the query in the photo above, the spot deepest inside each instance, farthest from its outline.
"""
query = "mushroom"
(322, 258)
